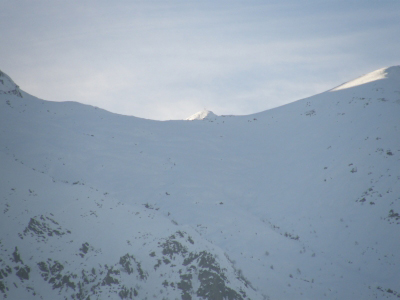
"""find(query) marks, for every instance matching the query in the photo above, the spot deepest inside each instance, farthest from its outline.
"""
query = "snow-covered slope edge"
(8, 86)
(391, 73)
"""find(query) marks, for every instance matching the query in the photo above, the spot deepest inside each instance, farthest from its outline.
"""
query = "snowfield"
(297, 202)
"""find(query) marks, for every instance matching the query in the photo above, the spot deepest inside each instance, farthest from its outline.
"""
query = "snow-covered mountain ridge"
(297, 202)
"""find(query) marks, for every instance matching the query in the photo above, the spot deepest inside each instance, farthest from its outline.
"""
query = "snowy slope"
(297, 202)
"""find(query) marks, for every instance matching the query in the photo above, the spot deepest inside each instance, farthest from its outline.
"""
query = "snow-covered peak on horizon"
(383, 73)
(202, 115)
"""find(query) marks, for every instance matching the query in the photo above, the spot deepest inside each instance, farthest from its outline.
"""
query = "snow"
(300, 201)
(6, 83)
(201, 115)
(392, 72)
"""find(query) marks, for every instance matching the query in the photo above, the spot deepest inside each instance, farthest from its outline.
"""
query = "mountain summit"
(297, 202)
(201, 115)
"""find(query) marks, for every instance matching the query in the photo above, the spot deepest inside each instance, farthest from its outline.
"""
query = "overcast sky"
(169, 59)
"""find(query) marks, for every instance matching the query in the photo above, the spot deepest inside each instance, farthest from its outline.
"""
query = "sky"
(166, 60)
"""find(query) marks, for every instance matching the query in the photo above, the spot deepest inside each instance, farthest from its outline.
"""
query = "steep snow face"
(7, 85)
(391, 72)
(201, 115)
(297, 202)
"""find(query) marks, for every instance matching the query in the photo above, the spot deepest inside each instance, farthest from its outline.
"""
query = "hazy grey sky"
(169, 59)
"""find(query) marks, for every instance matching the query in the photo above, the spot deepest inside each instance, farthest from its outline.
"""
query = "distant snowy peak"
(384, 73)
(202, 115)
(8, 86)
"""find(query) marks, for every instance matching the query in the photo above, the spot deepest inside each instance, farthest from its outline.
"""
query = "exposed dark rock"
(16, 256)
(43, 227)
(23, 273)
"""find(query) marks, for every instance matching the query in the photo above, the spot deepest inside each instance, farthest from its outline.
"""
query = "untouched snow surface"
(297, 202)
(392, 73)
